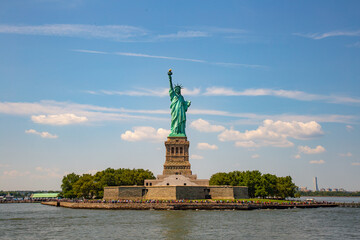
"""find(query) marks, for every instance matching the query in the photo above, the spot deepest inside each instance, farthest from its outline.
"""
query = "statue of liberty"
(178, 108)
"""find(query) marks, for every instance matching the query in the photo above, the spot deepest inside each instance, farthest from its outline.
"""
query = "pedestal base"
(177, 157)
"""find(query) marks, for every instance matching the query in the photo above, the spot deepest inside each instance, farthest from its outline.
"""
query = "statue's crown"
(178, 86)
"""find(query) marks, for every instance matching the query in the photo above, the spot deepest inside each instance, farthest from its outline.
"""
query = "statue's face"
(178, 90)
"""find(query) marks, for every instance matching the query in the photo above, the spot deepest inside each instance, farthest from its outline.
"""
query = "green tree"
(85, 186)
(259, 185)
(67, 185)
(252, 179)
(285, 187)
(267, 186)
(119, 177)
(220, 179)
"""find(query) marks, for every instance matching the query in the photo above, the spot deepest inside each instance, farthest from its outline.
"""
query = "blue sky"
(274, 86)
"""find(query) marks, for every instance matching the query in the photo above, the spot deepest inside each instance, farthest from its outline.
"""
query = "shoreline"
(334, 196)
(184, 206)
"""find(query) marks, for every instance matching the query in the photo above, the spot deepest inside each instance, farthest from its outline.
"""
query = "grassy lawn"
(265, 200)
(245, 200)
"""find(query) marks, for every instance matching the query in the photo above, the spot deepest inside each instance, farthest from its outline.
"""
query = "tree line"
(92, 186)
(259, 185)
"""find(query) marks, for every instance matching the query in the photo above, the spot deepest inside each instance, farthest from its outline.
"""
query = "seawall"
(184, 206)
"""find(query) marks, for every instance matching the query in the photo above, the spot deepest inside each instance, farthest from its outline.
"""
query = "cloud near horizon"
(196, 157)
(95, 113)
(207, 146)
(145, 133)
(37, 173)
(15, 173)
(348, 154)
(41, 134)
(204, 126)
(317, 162)
(308, 150)
(59, 119)
(272, 133)
(43, 173)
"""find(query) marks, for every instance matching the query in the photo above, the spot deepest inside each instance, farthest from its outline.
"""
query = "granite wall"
(174, 192)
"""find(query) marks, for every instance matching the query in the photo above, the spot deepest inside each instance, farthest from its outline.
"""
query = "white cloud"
(163, 92)
(355, 163)
(298, 156)
(41, 134)
(156, 56)
(145, 134)
(297, 95)
(186, 91)
(91, 112)
(113, 32)
(89, 51)
(143, 55)
(317, 162)
(4, 165)
(227, 64)
(201, 32)
(59, 119)
(15, 173)
(349, 128)
(196, 157)
(91, 171)
(308, 150)
(204, 126)
(348, 154)
(223, 30)
(42, 173)
(255, 156)
(246, 144)
(248, 118)
(317, 36)
(273, 134)
(99, 114)
(185, 34)
(206, 146)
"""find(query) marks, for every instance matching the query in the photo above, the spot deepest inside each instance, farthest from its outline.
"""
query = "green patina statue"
(178, 110)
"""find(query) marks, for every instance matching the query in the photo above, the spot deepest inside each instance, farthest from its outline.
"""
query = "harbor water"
(36, 221)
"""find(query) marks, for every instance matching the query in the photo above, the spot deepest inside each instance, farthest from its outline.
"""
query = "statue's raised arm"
(178, 108)
(170, 79)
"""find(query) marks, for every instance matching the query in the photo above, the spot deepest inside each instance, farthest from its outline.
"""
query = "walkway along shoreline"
(184, 206)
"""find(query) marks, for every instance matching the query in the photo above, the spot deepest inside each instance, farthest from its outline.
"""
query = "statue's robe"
(178, 108)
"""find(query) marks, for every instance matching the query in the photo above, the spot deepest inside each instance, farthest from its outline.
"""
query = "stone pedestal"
(177, 157)
(177, 168)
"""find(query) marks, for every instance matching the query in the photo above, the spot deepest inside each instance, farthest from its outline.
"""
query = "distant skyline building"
(316, 188)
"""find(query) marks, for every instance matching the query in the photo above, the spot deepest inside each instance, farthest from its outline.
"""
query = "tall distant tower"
(316, 188)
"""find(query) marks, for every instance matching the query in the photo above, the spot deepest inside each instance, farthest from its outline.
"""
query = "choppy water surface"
(36, 221)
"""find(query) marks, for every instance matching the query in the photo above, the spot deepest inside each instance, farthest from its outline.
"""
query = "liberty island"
(177, 180)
